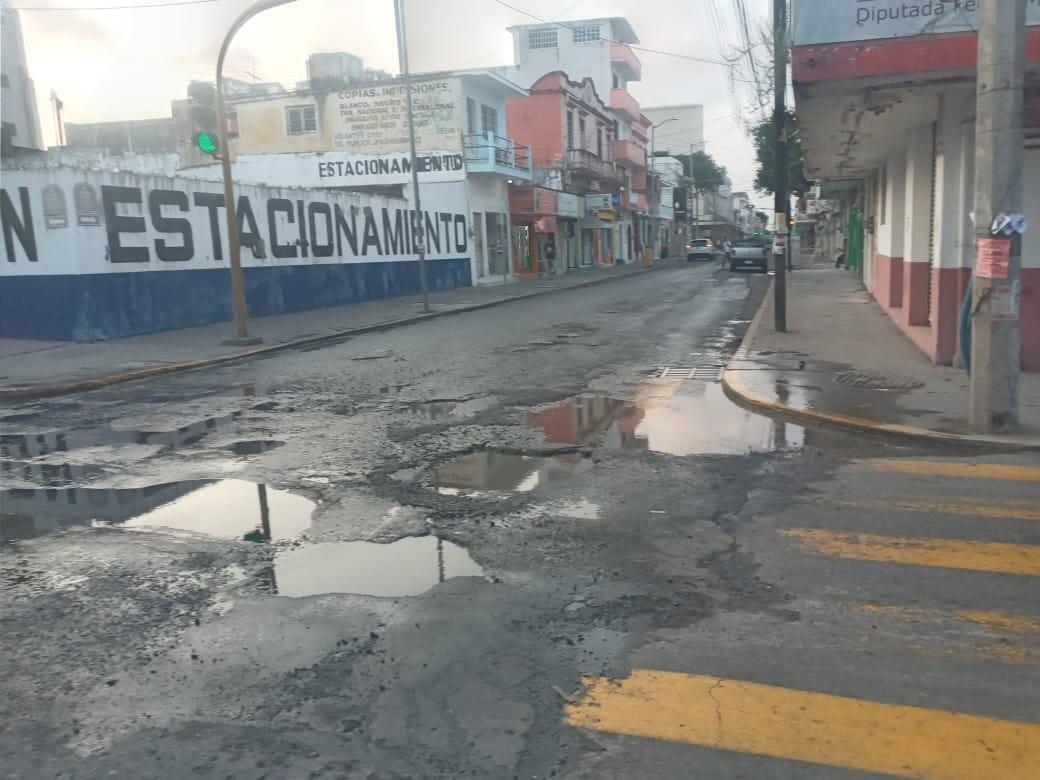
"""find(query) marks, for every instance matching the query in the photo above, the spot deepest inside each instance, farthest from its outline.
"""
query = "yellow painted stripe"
(814, 727)
(934, 468)
(998, 620)
(950, 553)
(1013, 510)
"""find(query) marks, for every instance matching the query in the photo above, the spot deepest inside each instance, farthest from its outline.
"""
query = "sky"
(131, 62)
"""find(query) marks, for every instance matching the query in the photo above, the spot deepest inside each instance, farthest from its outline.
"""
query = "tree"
(706, 173)
(765, 175)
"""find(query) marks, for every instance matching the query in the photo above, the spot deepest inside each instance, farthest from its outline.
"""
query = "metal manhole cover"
(873, 381)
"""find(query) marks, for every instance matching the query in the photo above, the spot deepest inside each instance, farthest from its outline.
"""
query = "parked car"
(749, 253)
(701, 249)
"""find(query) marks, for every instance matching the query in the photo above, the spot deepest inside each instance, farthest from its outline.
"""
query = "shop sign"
(371, 120)
(832, 21)
(567, 205)
(598, 202)
(545, 225)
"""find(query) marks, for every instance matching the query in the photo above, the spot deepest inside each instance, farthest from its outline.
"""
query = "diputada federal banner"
(837, 21)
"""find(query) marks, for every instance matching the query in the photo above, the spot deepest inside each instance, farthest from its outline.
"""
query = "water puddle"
(227, 508)
(31, 444)
(406, 567)
(433, 410)
(693, 420)
(496, 470)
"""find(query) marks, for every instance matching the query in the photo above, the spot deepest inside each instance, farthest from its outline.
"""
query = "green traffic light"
(206, 143)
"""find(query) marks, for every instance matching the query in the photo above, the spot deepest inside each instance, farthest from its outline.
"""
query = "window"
(471, 116)
(88, 211)
(4, 81)
(488, 120)
(581, 131)
(615, 81)
(599, 141)
(570, 129)
(586, 33)
(301, 119)
(541, 39)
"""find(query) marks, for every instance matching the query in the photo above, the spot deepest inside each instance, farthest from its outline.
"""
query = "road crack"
(718, 712)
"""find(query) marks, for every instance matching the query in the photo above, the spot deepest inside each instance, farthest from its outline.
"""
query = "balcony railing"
(494, 154)
(621, 100)
(629, 154)
(626, 62)
(590, 164)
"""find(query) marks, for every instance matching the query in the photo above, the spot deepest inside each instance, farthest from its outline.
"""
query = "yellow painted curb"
(734, 387)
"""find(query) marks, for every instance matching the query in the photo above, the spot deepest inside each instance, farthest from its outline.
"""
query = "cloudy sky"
(129, 63)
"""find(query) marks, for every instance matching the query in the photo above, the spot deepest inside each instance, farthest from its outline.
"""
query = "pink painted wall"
(538, 120)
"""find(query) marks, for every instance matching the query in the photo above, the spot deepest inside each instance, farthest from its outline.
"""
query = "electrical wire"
(133, 7)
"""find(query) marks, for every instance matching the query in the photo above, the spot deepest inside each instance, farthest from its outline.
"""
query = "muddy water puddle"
(669, 418)
(406, 567)
(227, 508)
(37, 443)
(507, 471)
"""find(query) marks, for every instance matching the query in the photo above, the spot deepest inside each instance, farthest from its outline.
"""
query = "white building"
(680, 128)
(18, 113)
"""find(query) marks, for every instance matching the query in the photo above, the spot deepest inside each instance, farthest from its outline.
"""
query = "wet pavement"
(420, 553)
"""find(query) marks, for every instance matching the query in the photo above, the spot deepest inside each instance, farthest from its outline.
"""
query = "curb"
(83, 385)
(735, 389)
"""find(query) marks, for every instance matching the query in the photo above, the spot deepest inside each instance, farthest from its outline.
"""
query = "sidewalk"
(37, 369)
(844, 361)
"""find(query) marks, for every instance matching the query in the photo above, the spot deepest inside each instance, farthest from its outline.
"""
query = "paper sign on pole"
(993, 258)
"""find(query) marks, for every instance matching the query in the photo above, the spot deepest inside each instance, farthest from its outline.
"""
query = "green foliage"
(706, 173)
(765, 174)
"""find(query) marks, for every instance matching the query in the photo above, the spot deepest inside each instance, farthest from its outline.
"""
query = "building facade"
(598, 50)
(886, 109)
(357, 138)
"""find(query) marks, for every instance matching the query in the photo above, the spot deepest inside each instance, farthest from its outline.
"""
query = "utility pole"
(419, 231)
(996, 288)
(780, 198)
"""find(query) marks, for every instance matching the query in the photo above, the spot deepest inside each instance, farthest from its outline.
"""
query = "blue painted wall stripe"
(94, 307)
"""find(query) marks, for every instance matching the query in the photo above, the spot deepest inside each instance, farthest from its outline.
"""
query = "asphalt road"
(525, 542)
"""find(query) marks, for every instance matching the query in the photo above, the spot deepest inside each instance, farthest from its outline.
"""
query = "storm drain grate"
(873, 381)
(707, 372)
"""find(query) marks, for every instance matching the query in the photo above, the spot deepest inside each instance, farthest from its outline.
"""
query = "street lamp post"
(419, 229)
(238, 290)
(653, 129)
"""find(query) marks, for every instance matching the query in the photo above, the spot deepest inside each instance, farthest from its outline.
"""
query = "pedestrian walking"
(549, 253)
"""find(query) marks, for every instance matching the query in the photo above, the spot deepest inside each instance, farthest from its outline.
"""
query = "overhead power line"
(132, 7)
(610, 40)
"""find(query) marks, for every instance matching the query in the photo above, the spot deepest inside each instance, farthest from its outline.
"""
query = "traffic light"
(204, 117)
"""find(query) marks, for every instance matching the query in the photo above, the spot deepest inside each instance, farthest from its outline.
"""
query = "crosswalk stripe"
(934, 468)
(951, 506)
(814, 727)
(993, 620)
(949, 553)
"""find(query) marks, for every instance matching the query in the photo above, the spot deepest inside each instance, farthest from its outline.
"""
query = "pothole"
(253, 446)
(407, 567)
(227, 508)
(433, 410)
(31, 444)
(700, 420)
(497, 470)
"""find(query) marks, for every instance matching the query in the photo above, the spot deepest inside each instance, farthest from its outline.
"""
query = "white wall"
(157, 223)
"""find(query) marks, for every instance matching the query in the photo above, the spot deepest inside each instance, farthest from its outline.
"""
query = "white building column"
(917, 225)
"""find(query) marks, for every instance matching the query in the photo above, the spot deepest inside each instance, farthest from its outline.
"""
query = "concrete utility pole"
(780, 199)
(238, 288)
(996, 288)
(402, 58)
